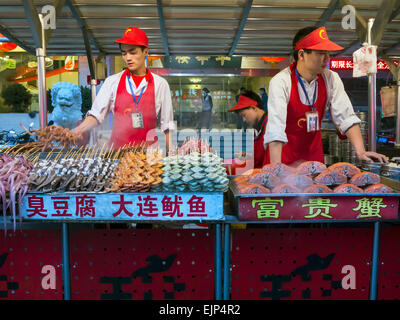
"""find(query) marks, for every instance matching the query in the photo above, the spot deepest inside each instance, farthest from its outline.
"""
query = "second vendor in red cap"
(136, 97)
(300, 96)
(251, 108)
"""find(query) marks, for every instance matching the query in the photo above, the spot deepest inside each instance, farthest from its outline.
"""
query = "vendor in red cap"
(300, 95)
(251, 108)
(136, 97)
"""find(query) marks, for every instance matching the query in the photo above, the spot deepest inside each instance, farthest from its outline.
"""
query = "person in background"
(251, 109)
(207, 105)
(264, 98)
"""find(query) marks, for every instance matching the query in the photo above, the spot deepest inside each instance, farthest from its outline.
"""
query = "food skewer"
(76, 152)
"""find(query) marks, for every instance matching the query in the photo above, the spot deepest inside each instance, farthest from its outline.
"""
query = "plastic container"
(390, 172)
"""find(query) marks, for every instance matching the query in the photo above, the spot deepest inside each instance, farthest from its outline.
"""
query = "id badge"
(137, 120)
(312, 121)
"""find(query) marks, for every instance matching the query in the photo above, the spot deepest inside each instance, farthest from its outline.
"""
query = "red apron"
(261, 155)
(123, 132)
(303, 145)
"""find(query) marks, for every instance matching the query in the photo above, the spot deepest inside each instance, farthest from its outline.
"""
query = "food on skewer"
(318, 188)
(279, 169)
(348, 188)
(345, 168)
(311, 168)
(62, 175)
(330, 178)
(138, 171)
(363, 179)
(194, 172)
(266, 179)
(48, 137)
(14, 173)
(298, 180)
(378, 188)
(286, 188)
(253, 189)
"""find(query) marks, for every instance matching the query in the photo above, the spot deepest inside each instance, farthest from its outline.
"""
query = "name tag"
(312, 121)
(137, 120)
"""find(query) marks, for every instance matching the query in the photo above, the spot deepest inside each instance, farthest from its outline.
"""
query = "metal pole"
(66, 270)
(227, 251)
(41, 71)
(371, 99)
(375, 262)
(398, 114)
(217, 274)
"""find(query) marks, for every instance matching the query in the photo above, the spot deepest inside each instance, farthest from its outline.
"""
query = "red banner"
(318, 208)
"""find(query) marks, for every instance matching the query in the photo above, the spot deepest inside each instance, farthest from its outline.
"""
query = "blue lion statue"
(67, 101)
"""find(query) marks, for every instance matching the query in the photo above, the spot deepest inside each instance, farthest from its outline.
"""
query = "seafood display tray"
(395, 185)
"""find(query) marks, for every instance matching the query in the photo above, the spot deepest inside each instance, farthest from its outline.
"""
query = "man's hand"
(369, 156)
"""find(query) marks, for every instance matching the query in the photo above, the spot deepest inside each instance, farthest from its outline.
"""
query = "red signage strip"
(347, 64)
(123, 207)
(318, 208)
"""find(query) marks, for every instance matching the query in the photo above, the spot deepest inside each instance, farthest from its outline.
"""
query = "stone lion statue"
(67, 101)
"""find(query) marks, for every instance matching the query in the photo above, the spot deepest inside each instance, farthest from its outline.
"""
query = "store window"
(186, 94)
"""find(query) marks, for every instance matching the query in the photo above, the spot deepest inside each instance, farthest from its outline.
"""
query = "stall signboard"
(123, 207)
(202, 62)
(318, 208)
(347, 64)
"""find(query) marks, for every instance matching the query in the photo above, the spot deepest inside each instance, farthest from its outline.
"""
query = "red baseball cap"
(317, 40)
(134, 36)
(243, 103)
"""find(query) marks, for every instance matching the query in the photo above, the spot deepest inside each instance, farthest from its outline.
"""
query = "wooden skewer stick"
(104, 154)
(10, 150)
(29, 151)
(118, 152)
(48, 155)
(59, 154)
(111, 148)
(95, 150)
(20, 148)
(34, 155)
(101, 150)
(73, 151)
(5, 146)
(34, 158)
(68, 153)
(76, 152)
(83, 152)
(91, 151)
(88, 152)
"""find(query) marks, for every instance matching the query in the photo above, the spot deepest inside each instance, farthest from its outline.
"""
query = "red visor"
(134, 36)
(244, 103)
(317, 40)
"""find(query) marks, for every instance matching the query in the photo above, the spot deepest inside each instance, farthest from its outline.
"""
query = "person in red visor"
(136, 97)
(300, 95)
(251, 108)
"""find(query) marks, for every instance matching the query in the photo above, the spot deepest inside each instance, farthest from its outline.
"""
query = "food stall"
(97, 223)
(80, 195)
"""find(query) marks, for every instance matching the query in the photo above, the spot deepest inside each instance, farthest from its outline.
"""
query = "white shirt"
(105, 99)
(337, 102)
